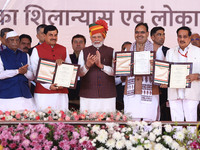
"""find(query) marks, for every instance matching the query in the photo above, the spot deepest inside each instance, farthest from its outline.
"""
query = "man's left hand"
(192, 77)
(98, 60)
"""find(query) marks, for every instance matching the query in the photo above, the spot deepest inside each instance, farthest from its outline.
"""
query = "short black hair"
(184, 28)
(39, 27)
(50, 28)
(155, 29)
(79, 36)
(25, 36)
(127, 42)
(4, 30)
(142, 24)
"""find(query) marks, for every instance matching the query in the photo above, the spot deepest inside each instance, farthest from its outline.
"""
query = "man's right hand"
(90, 60)
(23, 69)
(54, 87)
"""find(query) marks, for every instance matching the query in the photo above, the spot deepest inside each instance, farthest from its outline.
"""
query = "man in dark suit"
(39, 35)
(158, 38)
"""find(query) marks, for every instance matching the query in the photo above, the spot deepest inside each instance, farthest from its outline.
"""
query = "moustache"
(182, 41)
(26, 48)
(53, 40)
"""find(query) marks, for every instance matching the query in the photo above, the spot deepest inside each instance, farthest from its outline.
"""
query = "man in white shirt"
(158, 38)
(183, 101)
(15, 71)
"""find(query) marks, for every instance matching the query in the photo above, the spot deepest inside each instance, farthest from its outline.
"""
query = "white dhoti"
(181, 109)
(17, 104)
(98, 104)
(55, 101)
(141, 110)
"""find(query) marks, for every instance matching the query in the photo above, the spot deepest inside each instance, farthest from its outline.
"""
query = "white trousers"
(55, 101)
(17, 104)
(98, 104)
(141, 110)
(183, 108)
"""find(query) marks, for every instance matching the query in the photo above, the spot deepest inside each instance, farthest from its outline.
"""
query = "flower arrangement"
(111, 136)
(49, 114)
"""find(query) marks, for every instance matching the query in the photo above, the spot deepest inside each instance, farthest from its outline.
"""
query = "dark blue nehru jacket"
(16, 86)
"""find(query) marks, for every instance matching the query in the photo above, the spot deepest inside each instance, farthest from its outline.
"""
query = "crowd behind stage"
(98, 89)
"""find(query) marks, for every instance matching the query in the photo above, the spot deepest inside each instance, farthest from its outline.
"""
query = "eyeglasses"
(195, 39)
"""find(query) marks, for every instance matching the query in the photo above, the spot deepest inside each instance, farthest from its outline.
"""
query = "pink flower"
(13, 113)
(41, 137)
(34, 136)
(18, 116)
(76, 117)
(7, 113)
(1, 112)
(82, 116)
(124, 118)
(67, 118)
(76, 135)
(12, 145)
(50, 118)
(26, 143)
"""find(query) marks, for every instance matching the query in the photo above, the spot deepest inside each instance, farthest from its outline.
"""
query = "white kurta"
(148, 111)
(56, 101)
(97, 104)
(19, 103)
(183, 104)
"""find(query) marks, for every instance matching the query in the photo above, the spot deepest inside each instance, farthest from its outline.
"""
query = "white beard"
(98, 45)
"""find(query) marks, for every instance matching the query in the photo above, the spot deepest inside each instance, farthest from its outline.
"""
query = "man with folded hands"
(97, 89)
(15, 71)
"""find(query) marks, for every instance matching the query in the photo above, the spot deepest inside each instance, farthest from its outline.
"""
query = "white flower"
(112, 125)
(152, 137)
(139, 147)
(128, 144)
(133, 139)
(8, 118)
(110, 143)
(174, 145)
(120, 144)
(144, 134)
(156, 124)
(168, 140)
(179, 136)
(147, 144)
(168, 128)
(158, 146)
(103, 136)
(117, 136)
(157, 131)
(101, 148)
(96, 128)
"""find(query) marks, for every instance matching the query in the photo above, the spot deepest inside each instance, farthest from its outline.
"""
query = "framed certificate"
(134, 63)
(142, 65)
(64, 75)
(123, 65)
(171, 73)
(178, 73)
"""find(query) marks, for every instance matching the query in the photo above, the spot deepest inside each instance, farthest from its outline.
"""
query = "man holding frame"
(183, 101)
